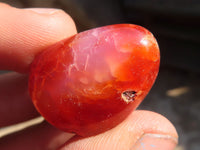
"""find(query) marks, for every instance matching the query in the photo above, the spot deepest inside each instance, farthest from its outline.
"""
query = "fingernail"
(155, 142)
(45, 11)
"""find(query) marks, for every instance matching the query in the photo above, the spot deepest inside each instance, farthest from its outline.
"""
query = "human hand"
(23, 34)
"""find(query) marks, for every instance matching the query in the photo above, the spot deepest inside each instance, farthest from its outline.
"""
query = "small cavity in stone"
(128, 96)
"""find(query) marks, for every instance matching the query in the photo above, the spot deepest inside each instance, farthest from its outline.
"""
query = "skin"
(23, 34)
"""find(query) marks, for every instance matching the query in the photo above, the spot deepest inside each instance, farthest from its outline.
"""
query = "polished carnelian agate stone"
(91, 82)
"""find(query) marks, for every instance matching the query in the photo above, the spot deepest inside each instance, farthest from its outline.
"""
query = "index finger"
(26, 32)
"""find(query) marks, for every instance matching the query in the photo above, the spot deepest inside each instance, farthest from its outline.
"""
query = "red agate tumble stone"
(91, 82)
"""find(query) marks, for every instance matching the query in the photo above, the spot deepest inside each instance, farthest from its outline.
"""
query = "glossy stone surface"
(89, 83)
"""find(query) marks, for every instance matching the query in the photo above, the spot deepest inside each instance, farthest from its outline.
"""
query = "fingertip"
(128, 134)
(152, 122)
(153, 131)
(59, 21)
(26, 32)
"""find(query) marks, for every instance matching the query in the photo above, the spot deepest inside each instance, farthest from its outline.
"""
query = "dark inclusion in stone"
(128, 96)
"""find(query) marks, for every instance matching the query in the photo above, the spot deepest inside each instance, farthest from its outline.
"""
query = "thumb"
(26, 32)
(142, 130)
